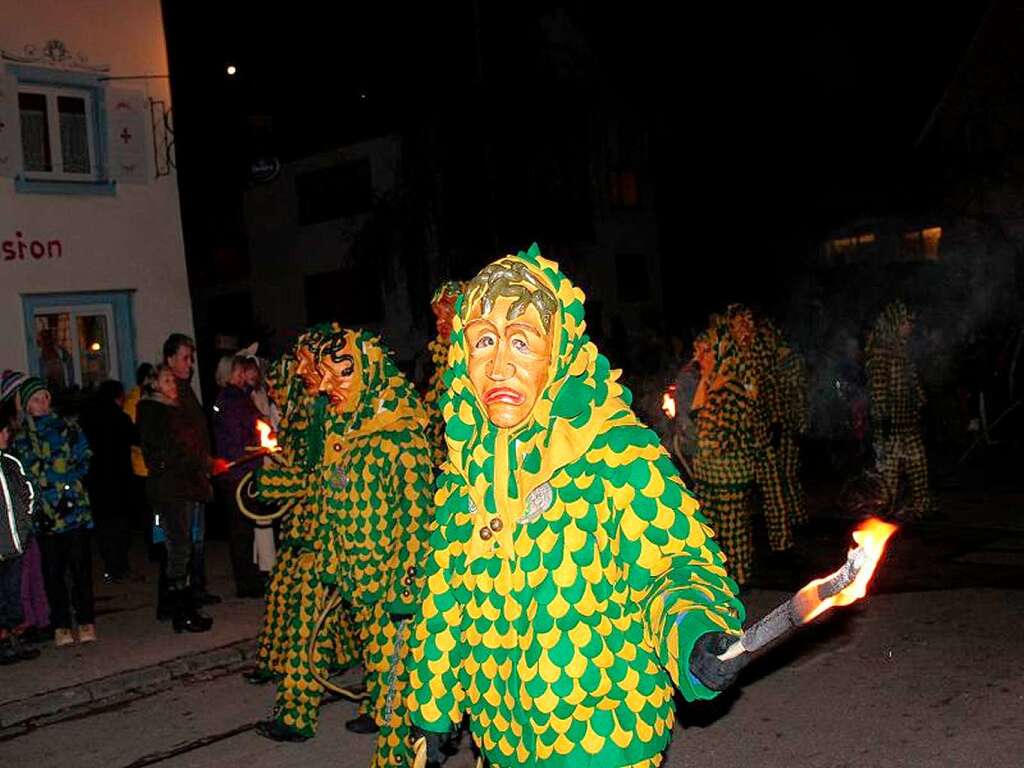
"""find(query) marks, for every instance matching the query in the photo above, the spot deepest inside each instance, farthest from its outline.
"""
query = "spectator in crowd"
(177, 483)
(15, 508)
(111, 435)
(56, 454)
(234, 431)
(180, 357)
(34, 606)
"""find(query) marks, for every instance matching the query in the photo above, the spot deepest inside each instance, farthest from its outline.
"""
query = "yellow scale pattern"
(563, 633)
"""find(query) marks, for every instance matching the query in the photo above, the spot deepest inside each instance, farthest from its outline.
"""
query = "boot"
(187, 617)
(23, 652)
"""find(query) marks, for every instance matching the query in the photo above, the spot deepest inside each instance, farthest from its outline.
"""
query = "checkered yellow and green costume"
(724, 464)
(296, 596)
(571, 571)
(896, 402)
(792, 388)
(759, 362)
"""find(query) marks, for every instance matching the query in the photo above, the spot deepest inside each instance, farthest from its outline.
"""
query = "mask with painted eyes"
(338, 365)
(305, 367)
(508, 358)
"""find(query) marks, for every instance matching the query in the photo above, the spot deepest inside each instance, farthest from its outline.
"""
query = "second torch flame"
(267, 441)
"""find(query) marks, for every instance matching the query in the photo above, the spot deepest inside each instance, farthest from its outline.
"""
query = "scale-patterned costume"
(571, 573)
(375, 518)
(896, 402)
(448, 292)
(297, 596)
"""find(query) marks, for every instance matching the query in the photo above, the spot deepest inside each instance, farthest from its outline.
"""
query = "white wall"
(129, 241)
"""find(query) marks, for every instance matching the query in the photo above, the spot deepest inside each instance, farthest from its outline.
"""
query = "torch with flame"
(267, 447)
(267, 441)
(843, 587)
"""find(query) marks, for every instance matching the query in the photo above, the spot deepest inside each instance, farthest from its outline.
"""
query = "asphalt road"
(925, 672)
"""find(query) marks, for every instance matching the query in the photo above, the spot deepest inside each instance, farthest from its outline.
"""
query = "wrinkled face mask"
(305, 367)
(338, 373)
(508, 359)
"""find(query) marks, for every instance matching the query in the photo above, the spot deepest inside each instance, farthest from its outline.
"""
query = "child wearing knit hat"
(56, 456)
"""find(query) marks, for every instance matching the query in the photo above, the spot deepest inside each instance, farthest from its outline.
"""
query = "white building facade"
(92, 262)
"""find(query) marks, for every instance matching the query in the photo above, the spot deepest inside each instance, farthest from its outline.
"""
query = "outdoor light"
(232, 69)
(95, 346)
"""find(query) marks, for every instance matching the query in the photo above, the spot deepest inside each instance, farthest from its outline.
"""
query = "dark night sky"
(769, 124)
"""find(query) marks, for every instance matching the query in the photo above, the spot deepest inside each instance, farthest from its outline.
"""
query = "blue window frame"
(75, 341)
(63, 120)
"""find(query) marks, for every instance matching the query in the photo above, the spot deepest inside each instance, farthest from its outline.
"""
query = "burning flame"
(265, 430)
(668, 402)
(871, 537)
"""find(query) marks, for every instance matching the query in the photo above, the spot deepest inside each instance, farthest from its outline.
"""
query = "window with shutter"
(58, 133)
(69, 133)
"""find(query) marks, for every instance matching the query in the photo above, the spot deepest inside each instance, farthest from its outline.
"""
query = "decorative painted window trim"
(92, 84)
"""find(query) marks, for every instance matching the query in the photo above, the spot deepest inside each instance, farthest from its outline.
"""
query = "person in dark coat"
(111, 435)
(234, 430)
(180, 357)
(178, 473)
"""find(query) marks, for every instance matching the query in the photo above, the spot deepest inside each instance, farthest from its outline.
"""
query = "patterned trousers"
(297, 701)
(789, 471)
(727, 507)
(903, 453)
(769, 483)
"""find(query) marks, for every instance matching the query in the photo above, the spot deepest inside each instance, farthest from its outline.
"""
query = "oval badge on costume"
(537, 503)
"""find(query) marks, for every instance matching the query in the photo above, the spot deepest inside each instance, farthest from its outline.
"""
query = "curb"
(152, 678)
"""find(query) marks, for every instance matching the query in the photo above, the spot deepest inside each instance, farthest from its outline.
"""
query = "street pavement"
(925, 672)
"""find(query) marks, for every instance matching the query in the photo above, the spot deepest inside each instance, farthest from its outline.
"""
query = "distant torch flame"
(668, 402)
(871, 537)
(265, 430)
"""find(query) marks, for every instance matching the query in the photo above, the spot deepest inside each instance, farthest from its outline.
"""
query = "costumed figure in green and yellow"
(374, 517)
(443, 306)
(573, 583)
(724, 464)
(896, 402)
(792, 390)
(758, 342)
(297, 598)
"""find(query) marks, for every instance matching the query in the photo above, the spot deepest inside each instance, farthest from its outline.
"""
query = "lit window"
(847, 246)
(922, 244)
(57, 133)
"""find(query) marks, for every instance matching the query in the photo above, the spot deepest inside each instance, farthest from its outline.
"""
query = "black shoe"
(257, 676)
(275, 731)
(21, 651)
(187, 617)
(362, 724)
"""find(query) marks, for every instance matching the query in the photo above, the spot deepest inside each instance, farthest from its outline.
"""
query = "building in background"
(92, 264)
